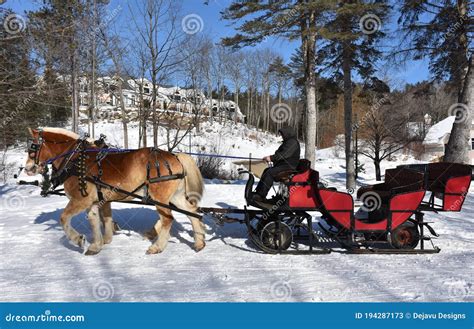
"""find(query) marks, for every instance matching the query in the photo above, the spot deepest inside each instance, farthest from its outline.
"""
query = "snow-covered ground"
(37, 263)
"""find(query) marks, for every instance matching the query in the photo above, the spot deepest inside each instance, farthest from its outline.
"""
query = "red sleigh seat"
(446, 181)
(396, 200)
(449, 181)
(397, 180)
(302, 186)
(401, 207)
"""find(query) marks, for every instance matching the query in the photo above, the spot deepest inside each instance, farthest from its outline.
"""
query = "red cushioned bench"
(396, 199)
(448, 182)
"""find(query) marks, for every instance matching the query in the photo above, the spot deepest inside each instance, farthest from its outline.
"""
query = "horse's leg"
(94, 221)
(199, 233)
(73, 208)
(106, 217)
(180, 201)
(154, 231)
(166, 220)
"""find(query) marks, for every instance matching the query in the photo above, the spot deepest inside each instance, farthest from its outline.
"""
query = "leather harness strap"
(76, 166)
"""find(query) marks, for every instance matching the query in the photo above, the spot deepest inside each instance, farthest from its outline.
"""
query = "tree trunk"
(378, 175)
(309, 51)
(209, 96)
(236, 100)
(268, 105)
(346, 67)
(74, 75)
(458, 147)
(263, 101)
(155, 123)
(279, 125)
(257, 111)
(124, 117)
(249, 101)
(75, 93)
(249, 96)
(143, 120)
(93, 73)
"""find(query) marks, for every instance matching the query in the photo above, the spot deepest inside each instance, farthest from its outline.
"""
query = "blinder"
(34, 149)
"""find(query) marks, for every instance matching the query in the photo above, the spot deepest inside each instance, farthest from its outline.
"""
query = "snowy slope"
(37, 263)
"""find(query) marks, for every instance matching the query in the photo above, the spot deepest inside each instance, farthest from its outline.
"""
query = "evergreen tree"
(17, 84)
(291, 19)
(56, 30)
(442, 31)
(349, 46)
(326, 88)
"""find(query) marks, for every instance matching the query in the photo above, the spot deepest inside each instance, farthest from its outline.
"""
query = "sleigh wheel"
(276, 236)
(406, 236)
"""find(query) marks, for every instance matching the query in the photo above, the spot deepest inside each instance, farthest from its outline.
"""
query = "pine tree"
(442, 32)
(56, 31)
(291, 19)
(349, 46)
(326, 89)
(17, 85)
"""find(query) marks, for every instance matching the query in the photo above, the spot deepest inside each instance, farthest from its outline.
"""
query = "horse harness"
(76, 166)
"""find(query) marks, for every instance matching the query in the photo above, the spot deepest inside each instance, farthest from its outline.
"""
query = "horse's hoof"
(91, 252)
(152, 251)
(82, 241)
(199, 247)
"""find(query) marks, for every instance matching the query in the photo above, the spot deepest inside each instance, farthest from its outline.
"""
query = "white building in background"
(437, 137)
(173, 99)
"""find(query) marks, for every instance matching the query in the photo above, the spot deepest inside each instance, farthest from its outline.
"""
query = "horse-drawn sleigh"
(390, 219)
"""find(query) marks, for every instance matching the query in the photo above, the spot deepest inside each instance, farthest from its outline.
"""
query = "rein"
(71, 165)
(114, 150)
(119, 150)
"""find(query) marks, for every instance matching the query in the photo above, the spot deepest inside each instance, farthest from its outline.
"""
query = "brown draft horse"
(125, 170)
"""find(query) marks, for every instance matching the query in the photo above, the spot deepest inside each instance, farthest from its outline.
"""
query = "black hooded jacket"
(289, 151)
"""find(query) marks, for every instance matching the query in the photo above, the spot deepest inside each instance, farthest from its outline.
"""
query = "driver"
(285, 158)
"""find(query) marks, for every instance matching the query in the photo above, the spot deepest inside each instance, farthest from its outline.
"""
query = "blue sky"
(216, 28)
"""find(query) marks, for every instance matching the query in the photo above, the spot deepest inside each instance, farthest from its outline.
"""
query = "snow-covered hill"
(37, 263)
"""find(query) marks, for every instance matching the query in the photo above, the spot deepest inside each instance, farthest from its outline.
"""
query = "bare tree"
(160, 34)
(207, 50)
(235, 74)
(384, 132)
(181, 124)
(115, 51)
(251, 74)
(218, 67)
(143, 100)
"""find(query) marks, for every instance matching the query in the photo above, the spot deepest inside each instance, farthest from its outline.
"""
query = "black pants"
(268, 177)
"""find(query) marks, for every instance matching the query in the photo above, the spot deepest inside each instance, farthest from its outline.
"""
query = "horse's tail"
(193, 181)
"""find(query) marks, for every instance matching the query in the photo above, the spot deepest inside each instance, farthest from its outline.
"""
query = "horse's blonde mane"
(61, 131)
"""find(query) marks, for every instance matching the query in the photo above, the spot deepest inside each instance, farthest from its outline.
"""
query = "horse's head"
(45, 144)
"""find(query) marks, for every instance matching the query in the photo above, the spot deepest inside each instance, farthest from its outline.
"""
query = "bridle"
(35, 147)
(67, 166)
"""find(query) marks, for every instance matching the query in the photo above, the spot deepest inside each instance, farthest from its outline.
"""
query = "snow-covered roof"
(135, 82)
(170, 90)
(438, 132)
